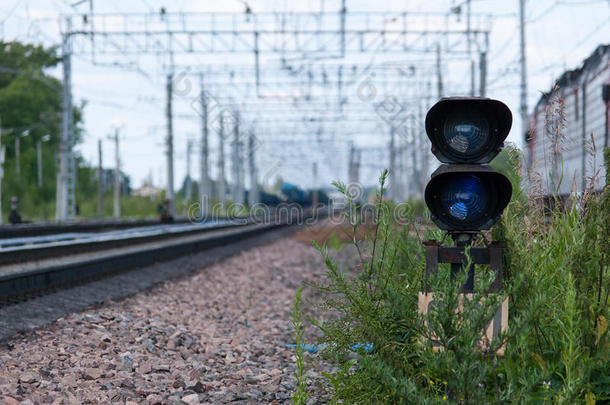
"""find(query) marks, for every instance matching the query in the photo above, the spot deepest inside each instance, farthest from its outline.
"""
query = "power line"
(590, 34)
(11, 11)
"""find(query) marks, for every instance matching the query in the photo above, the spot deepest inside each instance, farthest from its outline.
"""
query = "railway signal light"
(464, 193)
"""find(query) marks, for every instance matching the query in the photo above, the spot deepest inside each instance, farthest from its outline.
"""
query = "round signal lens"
(466, 132)
(465, 198)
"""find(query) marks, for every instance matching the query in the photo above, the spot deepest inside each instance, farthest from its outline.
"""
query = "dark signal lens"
(465, 198)
(466, 132)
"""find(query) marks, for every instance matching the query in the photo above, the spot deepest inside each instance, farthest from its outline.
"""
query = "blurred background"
(110, 108)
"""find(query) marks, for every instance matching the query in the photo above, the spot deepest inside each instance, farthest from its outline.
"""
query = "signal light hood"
(494, 115)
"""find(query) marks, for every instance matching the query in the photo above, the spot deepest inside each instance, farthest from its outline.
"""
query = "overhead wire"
(11, 11)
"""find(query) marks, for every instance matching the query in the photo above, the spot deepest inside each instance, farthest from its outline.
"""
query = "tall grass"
(301, 395)
(557, 348)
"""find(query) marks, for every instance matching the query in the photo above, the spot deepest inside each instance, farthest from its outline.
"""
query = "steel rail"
(41, 229)
(31, 252)
(20, 285)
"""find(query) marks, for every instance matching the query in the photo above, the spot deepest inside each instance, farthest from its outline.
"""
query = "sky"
(560, 35)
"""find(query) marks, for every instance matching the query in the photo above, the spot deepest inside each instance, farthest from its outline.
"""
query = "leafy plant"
(556, 348)
(301, 395)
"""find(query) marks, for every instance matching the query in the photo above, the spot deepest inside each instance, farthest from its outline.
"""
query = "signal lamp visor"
(467, 130)
(467, 200)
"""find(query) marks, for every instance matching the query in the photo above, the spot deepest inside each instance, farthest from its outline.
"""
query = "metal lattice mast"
(523, 64)
(401, 174)
(425, 163)
(66, 177)
(483, 68)
(117, 175)
(188, 183)
(241, 169)
(169, 188)
(316, 65)
(222, 193)
(469, 45)
(100, 180)
(253, 195)
(204, 177)
(439, 71)
(314, 176)
(393, 174)
(416, 175)
(236, 192)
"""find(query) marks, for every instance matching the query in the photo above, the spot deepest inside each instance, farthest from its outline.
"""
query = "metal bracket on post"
(495, 264)
(491, 255)
(431, 261)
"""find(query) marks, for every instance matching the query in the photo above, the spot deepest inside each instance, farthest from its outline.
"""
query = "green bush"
(556, 348)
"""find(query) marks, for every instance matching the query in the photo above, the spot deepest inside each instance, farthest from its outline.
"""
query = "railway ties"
(58, 261)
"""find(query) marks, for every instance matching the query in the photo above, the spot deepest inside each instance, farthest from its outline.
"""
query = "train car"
(573, 161)
(269, 199)
(290, 193)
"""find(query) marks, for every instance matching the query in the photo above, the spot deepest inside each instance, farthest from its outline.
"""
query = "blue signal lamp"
(467, 197)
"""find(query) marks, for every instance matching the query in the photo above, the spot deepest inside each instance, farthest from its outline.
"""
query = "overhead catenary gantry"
(317, 64)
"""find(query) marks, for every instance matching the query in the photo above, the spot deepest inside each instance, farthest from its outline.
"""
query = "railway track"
(96, 225)
(19, 250)
(28, 270)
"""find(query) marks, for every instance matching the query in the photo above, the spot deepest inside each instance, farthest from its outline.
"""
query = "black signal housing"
(465, 194)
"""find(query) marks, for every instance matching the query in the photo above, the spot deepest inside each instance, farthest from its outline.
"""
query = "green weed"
(556, 348)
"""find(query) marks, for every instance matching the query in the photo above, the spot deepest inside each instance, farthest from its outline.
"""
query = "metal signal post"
(466, 196)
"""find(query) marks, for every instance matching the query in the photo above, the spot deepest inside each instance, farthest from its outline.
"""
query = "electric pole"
(350, 165)
(236, 194)
(204, 177)
(357, 168)
(222, 194)
(39, 162)
(100, 180)
(253, 197)
(169, 189)
(426, 153)
(315, 198)
(343, 15)
(483, 67)
(393, 174)
(483, 73)
(416, 180)
(241, 168)
(402, 167)
(66, 178)
(117, 175)
(18, 153)
(188, 184)
(523, 63)
(439, 71)
(18, 157)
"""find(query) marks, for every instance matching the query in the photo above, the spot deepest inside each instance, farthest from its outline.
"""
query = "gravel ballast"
(217, 336)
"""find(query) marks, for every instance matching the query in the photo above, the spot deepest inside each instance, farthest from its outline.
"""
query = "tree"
(30, 103)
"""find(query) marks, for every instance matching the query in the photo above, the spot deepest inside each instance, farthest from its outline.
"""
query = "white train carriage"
(570, 162)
